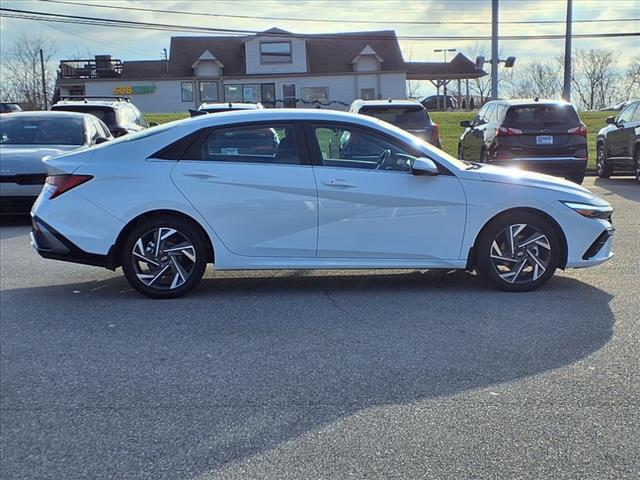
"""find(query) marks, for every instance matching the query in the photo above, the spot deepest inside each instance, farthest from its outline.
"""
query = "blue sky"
(72, 40)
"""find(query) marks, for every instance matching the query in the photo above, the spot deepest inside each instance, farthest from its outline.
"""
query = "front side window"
(627, 114)
(255, 144)
(315, 94)
(636, 116)
(208, 91)
(275, 52)
(351, 147)
(186, 89)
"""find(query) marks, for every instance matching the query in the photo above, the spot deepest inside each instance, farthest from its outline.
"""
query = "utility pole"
(44, 82)
(494, 50)
(566, 87)
(444, 82)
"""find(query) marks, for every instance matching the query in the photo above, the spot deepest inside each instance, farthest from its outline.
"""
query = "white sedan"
(307, 189)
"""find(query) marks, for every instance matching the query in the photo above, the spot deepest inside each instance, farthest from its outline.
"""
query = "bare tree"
(536, 79)
(21, 76)
(595, 78)
(413, 86)
(631, 82)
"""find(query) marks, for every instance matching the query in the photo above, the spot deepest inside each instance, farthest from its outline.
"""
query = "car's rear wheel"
(164, 257)
(636, 164)
(603, 168)
(519, 251)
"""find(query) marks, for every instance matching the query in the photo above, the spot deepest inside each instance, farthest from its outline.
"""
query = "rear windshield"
(41, 131)
(538, 116)
(106, 114)
(400, 116)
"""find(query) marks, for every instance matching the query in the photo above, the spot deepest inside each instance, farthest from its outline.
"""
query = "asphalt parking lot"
(306, 375)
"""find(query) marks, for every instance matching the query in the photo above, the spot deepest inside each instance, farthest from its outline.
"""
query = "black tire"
(576, 179)
(191, 272)
(636, 164)
(603, 168)
(497, 227)
(484, 156)
(460, 154)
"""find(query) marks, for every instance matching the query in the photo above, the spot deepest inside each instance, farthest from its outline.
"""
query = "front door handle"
(338, 183)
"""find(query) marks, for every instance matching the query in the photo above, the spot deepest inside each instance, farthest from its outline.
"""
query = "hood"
(515, 176)
(23, 159)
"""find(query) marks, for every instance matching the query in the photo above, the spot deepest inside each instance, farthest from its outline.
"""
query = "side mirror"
(153, 124)
(465, 123)
(100, 140)
(424, 166)
(611, 120)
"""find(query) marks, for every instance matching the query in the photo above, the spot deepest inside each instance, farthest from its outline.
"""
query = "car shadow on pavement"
(184, 388)
(13, 225)
(626, 187)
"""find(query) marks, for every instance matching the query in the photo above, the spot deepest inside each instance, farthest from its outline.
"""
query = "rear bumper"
(559, 166)
(51, 244)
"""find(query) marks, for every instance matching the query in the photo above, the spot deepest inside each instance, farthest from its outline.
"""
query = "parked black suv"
(618, 143)
(544, 136)
(120, 115)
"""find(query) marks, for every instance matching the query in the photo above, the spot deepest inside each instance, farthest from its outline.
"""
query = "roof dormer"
(367, 60)
(275, 51)
(207, 65)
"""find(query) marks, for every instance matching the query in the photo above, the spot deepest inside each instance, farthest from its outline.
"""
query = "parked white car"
(28, 137)
(216, 188)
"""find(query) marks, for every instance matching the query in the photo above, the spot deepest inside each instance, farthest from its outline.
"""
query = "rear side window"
(540, 116)
(403, 117)
(247, 144)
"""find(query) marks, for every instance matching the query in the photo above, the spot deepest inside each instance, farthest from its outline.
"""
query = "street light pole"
(494, 50)
(566, 87)
(444, 94)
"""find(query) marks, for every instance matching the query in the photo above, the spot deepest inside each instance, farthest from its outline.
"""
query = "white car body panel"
(268, 216)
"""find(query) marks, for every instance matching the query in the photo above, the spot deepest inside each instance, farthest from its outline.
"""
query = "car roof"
(390, 102)
(232, 105)
(114, 103)
(530, 101)
(50, 114)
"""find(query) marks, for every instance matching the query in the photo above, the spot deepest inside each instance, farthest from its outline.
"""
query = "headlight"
(591, 211)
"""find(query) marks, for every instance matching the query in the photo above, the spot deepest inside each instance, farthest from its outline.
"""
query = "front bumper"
(557, 166)
(50, 244)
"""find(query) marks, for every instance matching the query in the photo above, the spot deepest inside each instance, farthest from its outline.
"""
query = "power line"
(105, 22)
(327, 20)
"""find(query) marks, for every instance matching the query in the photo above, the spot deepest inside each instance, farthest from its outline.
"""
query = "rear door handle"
(199, 175)
(338, 183)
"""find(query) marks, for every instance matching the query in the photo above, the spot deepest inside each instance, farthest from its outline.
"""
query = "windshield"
(41, 131)
(106, 114)
(400, 116)
(539, 116)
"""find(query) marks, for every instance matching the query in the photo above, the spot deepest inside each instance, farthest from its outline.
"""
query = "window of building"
(348, 147)
(187, 91)
(233, 93)
(315, 94)
(289, 95)
(272, 143)
(251, 92)
(208, 91)
(368, 93)
(275, 52)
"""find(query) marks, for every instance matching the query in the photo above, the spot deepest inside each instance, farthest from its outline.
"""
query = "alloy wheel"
(520, 254)
(163, 258)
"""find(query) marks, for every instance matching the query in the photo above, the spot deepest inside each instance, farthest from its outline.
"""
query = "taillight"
(508, 132)
(64, 183)
(435, 134)
(581, 130)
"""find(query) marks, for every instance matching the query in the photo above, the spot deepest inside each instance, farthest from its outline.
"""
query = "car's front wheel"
(519, 251)
(602, 165)
(164, 257)
(636, 164)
